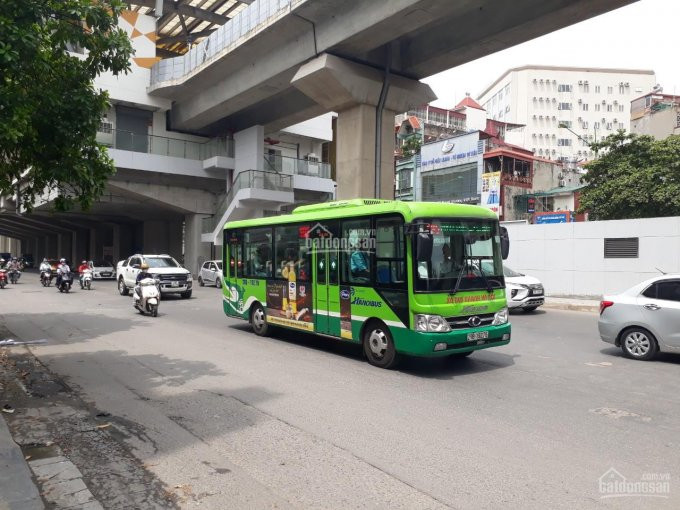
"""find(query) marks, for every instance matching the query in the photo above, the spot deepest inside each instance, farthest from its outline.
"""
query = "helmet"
(2, 261)
(45, 259)
(84, 262)
(144, 266)
(62, 261)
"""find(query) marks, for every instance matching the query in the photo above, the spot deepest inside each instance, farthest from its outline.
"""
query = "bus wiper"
(489, 289)
(462, 269)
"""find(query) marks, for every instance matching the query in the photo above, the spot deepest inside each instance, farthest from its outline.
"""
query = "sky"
(643, 35)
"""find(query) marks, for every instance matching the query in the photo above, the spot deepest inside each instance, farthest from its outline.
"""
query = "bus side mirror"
(505, 243)
(424, 243)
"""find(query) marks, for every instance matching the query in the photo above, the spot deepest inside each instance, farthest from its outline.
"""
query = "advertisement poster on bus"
(289, 303)
(346, 312)
(491, 190)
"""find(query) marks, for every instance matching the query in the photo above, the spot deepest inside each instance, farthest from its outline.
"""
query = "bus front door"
(326, 292)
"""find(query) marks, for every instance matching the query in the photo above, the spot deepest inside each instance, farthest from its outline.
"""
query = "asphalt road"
(297, 421)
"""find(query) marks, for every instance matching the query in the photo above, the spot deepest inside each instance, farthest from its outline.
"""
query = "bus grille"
(463, 321)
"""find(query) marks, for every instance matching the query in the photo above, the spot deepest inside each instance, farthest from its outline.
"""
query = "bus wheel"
(258, 320)
(378, 346)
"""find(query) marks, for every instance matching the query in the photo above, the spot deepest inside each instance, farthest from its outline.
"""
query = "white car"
(523, 292)
(211, 273)
(174, 279)
(102, 270)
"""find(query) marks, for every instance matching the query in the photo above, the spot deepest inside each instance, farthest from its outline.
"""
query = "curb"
(572, 307)
(16, 484)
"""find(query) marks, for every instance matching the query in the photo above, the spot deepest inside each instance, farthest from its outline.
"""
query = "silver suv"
(174, 279)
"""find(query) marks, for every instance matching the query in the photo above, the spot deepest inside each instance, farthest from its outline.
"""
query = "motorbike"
(150, 297)
(46, 278)
(3, 278)
(14, 276)
(66, 282)
(86, 279)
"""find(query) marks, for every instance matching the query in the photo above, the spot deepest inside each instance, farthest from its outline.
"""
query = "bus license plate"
(478, 335)
(174, 284)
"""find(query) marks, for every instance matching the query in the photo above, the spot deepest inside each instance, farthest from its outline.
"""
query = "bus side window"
(389, 252)
(357, 267)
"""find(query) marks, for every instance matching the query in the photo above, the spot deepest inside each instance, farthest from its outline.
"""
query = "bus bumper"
(415, 343)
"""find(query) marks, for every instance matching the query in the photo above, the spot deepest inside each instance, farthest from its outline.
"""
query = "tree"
(411, 145)
(634, 177)
(49, 108)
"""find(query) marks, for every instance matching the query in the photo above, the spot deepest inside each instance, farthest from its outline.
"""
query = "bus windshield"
(465, 256)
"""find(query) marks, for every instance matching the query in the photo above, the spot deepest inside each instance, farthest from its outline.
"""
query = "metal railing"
(247, 179)
(244, 25)
(294, 166)
(163, 145)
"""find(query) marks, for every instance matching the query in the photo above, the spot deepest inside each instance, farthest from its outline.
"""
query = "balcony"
(163, 145)
(294, 166)
(251, 191)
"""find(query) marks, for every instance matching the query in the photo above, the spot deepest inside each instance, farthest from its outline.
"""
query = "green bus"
(400, 278)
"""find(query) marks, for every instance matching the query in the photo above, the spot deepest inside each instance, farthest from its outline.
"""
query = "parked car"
(102, 269)
(523, 292)
(54, 265)
(174, 279)
(644, 319)
(211, 273)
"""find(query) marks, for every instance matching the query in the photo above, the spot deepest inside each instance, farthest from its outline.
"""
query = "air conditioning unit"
(540, 117)
(580, 82)
(554, 118)
(562, 183)
(554, 100)
(541, 80)
(560, 176)
(534, 116)
(580, 101)
(627, 84)
(535, 80)
(585, 82)
(554, 81)
(604, 102)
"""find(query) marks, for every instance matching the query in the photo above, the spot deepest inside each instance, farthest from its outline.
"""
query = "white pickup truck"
(174, 279)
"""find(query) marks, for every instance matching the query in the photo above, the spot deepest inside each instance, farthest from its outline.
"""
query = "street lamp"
(563, 125)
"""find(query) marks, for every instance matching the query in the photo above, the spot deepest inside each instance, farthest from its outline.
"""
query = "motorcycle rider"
(2, 263)
(81, 269)
(13, 266)
(143, 273)
(62, 270)
(45, 268)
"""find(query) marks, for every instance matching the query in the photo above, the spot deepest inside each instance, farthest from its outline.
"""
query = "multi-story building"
(655, 114)
(565, 108)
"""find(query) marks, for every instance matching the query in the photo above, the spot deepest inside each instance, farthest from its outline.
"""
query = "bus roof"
(369, 206)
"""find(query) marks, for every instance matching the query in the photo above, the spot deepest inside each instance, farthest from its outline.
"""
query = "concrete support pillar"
(353, 90)
(92, 246)
(195, 251)
(356, 153)
(75, 259)
(249, 149)
(116, 243)
(60, 246)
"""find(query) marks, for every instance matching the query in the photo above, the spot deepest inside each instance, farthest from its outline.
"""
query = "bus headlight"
(431, 323)
(501, 317)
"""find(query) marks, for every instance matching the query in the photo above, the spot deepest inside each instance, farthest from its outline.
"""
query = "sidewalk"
(17, 489)
(576, 304)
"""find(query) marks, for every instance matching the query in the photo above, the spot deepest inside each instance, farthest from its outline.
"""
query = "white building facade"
(591, 103)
